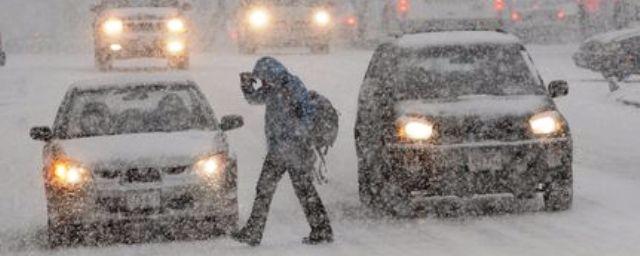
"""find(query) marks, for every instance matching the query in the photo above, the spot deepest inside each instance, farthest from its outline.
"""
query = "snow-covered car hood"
(142, 13)
(151, 149)
(476, 105)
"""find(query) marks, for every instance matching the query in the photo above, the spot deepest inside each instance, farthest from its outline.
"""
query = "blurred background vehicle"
(126, 29)
(423, 15)
(134, 157)
(615, 54)
(282, 23)
(543, 20)
(3, 54)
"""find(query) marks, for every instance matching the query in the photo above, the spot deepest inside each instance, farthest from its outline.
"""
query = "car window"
(143, 109)
(449, 72)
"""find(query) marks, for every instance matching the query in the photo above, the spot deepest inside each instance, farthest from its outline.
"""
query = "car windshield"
(140, 3)
(143, 109)
(450, 72)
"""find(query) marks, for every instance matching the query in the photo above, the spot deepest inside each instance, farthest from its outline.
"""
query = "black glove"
(247, 81)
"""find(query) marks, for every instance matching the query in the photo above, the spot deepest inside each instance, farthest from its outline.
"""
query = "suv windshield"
(140, 3)
(450, 72)
(143, 109)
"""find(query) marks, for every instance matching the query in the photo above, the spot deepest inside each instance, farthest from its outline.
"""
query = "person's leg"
(272, 172)
(312, 204)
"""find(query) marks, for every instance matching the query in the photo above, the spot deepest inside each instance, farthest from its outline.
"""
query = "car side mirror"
(41, 133)
(231, 122)
(558, 88)
(186, 7)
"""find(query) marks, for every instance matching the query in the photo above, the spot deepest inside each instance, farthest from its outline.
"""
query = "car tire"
(180, 63)
(104, 62)
(320, 49)
(558, 195)
(59, 234)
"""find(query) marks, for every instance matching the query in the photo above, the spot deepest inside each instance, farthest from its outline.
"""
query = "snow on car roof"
(455, 38)
(130, 80)
(615, 35)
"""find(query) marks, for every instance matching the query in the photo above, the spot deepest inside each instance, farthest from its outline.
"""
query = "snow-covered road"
(605, 219)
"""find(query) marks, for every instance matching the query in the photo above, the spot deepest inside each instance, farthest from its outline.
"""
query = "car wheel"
(59, 234)
(104, 62)
(180, 63)
(320, 49)
(558, 195)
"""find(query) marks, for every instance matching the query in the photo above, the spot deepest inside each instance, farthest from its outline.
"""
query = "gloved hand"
(247, 81)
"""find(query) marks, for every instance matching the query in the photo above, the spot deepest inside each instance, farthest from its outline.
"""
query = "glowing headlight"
(113, 27)
(176, 25)
(175, 47)
(212, 166)
(322, 18)
(70, 174)
(259, 18)
(545, 123)
(415, 129)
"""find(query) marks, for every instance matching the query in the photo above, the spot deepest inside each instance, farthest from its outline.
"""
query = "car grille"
(144, 26)
(139, 175)
(476, 129)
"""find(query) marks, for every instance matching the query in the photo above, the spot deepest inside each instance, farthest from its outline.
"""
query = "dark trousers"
(272, 171)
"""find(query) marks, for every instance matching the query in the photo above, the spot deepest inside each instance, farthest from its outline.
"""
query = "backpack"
(324, 130)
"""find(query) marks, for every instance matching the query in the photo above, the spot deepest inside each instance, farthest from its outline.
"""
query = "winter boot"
(319, 237)
(242, 237)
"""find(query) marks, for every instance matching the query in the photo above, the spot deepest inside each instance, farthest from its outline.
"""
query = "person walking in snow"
(288, 120)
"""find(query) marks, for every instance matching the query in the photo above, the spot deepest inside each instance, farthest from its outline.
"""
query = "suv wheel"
(558, 195)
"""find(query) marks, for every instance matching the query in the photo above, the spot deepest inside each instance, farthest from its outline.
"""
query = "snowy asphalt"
(605, 219)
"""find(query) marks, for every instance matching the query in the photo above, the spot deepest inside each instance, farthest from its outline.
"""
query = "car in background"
(347, 22)
(3, 54)
(533, 19)
(436, 15)
(457, 121)
(135, 157)
(126, 29)
(282, 23)
(614, 54)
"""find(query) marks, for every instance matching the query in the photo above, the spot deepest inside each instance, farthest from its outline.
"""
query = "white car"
(136, 157)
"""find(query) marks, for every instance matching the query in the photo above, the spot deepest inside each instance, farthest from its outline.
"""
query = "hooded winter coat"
(289, 112)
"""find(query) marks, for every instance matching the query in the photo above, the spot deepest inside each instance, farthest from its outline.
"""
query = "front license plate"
(486, 161)
(141, 200)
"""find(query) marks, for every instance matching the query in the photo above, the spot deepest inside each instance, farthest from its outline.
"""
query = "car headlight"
(176, 25)
(546, 123)
(322, 18)
(211, 167)
(415, 129)
(70, 174)
(259, 18)
(113, 27)
(176, 47)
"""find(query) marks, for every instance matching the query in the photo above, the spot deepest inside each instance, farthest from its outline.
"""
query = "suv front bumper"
(518, 168)
(142, 46)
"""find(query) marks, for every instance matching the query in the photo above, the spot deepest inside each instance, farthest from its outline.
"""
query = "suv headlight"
(415, 129)
(259, 18)
(176, 25)
(70, 174)
(211, 167)
(322, 18)
(546, 123)
(113, 27)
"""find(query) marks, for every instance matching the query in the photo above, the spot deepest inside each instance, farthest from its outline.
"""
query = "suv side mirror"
(558, 88)
(186, 7)
(231, 122)
(41, 133)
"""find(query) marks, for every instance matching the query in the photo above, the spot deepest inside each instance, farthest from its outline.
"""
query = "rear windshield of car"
(144, 109)
(453, 71)
(140, 3)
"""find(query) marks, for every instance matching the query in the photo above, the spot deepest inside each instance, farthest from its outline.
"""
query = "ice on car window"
(133, 110)
(446, 72)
